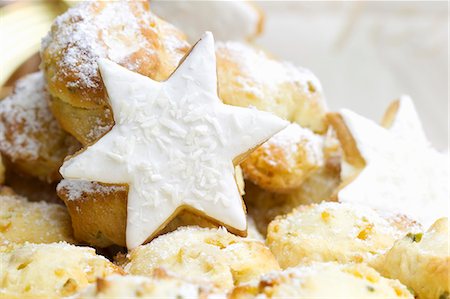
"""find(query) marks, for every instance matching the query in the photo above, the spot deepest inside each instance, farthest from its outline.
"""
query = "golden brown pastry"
(334, 232)
(30, 137)
(421, 261)
(50, 270)
(286, 160)
(35, 222)
(2, 171)
(249, 77)
(125, 32)
(203, 255)
(323, 280)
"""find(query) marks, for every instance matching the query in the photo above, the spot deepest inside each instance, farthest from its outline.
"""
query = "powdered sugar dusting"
(23, 117)
(75, 189)
(294, 136)
(259, 72)
(94, 30)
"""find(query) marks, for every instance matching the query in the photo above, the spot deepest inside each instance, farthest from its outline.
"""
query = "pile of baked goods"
(141, 162)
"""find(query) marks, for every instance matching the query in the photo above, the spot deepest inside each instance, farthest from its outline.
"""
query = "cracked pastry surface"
(23, 221)
(323, 280)
(124, 32)
(50, 270)
(203, 255)
(421, 261)
(286, 160)
(334, 232)
(30, 137)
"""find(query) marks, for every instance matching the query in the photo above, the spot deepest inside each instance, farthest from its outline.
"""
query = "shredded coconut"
(77, 188)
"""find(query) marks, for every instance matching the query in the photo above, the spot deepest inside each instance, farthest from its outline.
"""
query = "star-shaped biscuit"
(393, 168)
(175, 144)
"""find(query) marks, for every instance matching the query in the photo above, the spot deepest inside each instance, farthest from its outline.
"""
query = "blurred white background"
(369, 53)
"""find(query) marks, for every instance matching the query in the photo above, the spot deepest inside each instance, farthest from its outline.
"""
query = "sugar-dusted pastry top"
(35, 222)
(227, 20)
(50, 270)
(30, 137)
(160, 285)
(421, 261)
(334, 232)
(250, 77)
(203, 255)
(323, 280)
(123, 31)
(286, 160)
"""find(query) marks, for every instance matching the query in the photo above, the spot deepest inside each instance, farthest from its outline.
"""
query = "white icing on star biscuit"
(174, 144)
(400, 172)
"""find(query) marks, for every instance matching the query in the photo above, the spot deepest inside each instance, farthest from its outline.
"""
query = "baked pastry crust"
(23, 221)
(286, 160)
(421, 261)
(203, 255)
(334, 232)
(50, 270)
(314, 281)
(249, 77)
(124, 32)
(30, 137)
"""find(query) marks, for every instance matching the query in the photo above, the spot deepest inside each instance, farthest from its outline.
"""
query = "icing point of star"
(173, 144)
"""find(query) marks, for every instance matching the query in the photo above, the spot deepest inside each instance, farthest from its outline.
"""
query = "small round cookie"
(35, 222)
(204, 255)
(334, 232)
(263, 206)
(286, 160)
(160, 285)
(196, 17)
(324, 280)
(50, 270)
(99, 211)
(30, 137)
(249, 77)
(125, 32)
(421, 261)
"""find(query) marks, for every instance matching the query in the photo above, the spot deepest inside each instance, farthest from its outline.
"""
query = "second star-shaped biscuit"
(392, 168)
